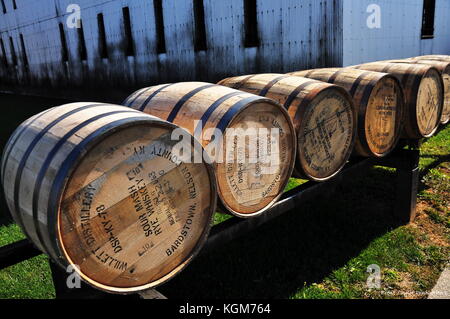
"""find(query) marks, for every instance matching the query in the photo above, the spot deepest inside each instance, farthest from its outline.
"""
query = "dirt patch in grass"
(434, 233)
(432, 227)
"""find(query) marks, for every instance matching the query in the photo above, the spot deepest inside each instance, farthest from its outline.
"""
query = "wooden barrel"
(424, 95)
(246, 187)
(323, 116)
(442, 58)
(380, 103)
(444, 68)
(95, 186)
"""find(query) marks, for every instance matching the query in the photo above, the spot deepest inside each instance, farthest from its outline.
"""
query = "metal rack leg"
(59, 280)
(407, 187)
(406, 162)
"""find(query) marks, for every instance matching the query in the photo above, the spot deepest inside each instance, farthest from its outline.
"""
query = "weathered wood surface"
(443, 67)
(424, 94)
(380, 104)
(96, 186)
(323, 116)
(246, 189)
(443, 58)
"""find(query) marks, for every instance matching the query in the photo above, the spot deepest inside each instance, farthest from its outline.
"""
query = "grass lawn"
(321, 250)
(30, 279)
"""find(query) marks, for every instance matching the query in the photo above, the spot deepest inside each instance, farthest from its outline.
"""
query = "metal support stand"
(17, 252)
(406, 162)
(407, 187)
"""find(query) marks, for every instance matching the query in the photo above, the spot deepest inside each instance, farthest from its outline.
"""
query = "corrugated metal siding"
(400, 32)
(294, 34)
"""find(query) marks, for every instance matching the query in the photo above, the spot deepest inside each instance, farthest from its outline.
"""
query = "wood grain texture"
(244, 189)
(443, 66)
(424, 95)
(379, 100)
(323, 114)
(96, 186)
(442, 58)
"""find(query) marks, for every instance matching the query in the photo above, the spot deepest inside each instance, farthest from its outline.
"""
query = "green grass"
(29, 279)
(10, 234)
(220, 218)
(396, 252)
(437, 146)
(294, 182)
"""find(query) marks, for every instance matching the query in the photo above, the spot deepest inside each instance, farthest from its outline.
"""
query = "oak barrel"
(380, 103)
(424, 95)
(323, 116)
(442, 58)
(444, 68)
(246, 188)
(96, 186)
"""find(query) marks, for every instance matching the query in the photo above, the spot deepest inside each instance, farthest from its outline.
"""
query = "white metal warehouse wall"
(400, 32)
(294, 34)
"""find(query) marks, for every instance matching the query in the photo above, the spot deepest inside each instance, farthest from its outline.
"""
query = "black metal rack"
(405, 161)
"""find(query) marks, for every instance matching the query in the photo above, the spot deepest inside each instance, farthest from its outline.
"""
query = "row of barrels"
(100, 187)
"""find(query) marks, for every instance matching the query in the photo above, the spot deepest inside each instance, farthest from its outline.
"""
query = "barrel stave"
(378, 131)
(444, 68)
(306, 101)
(442, 58)
(219, 109)
(419, 83)
(61, 154)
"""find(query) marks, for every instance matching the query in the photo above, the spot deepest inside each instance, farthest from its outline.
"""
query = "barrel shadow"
(297, 249)
(439, 159)
(5, 217)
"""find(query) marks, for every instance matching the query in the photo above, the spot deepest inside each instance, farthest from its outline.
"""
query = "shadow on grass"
(439, 159)
(298, 248)
(5, 218)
